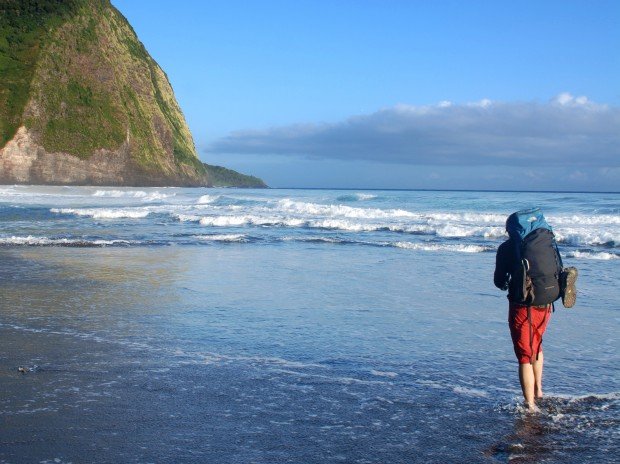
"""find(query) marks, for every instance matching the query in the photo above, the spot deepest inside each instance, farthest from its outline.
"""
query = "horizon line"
(444, 190)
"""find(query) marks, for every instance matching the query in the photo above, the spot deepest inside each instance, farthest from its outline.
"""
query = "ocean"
(294, 326)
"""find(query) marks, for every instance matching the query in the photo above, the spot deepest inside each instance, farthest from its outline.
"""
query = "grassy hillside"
(24, 29)
(221, 177)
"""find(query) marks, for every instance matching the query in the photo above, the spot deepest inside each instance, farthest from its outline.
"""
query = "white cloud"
(566, 131)
(563, 99)
(566, 99)
(484, 103)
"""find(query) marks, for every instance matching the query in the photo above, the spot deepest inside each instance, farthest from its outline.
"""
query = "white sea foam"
(46, 241)
(352, 241)
(291, 213)
(279, 221)
(210, 358)
(599, 219)
(592, 255)
(474, 218)
(461, 248)
(494, 232)
(293, 222)
(6, 191)
(470, 391)
(340, 224)
(335, 223)
(581, 237)
(409, 229)
(223, 238)
(119, 193)
(451, 230)
(155, 196)
(27, 192)
(327, 223)
(456, 231)
(228, 221)
(188, 218)
(207, 199)
(315, 239)
(141, 194)
(466, 228)
(602, 397)
(316, 209)
(248, 219)
(104, 213)
(365, 196)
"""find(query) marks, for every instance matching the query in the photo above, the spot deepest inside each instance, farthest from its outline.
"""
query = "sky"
(489, 95)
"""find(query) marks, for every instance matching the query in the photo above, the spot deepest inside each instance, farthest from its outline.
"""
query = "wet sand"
(74, 403)
(185, 355)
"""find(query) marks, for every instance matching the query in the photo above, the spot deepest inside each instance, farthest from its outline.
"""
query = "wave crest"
(31, 240)
(461, 248)
(604, 256)
(239, 238)
(140, 194)
(104, 213)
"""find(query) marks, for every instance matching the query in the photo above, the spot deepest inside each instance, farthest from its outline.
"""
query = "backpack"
(538, 265)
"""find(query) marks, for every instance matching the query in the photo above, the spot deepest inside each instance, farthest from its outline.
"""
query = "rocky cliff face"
(83, 103)
(23, 161)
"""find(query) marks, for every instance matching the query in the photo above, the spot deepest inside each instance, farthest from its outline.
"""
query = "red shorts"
(527, 344)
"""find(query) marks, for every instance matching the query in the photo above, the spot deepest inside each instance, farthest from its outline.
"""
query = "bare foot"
(531, 407)
(538, 394)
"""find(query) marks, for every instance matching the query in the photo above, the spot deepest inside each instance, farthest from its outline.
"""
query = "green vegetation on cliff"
(24, 27)
(222, 177)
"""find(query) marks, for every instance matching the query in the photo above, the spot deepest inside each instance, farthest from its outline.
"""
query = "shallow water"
(281, 341)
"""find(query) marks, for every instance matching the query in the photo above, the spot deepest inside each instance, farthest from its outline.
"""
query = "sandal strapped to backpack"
(568, 290)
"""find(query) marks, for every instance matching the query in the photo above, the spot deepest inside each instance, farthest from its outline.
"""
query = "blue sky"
(396, 94)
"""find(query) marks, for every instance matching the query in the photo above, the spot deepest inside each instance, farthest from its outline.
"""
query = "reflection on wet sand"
(68, 283)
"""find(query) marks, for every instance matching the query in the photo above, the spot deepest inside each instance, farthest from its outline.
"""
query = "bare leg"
(527, 379)
(538, 375)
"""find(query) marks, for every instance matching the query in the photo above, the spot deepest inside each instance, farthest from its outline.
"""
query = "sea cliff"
(83, 103)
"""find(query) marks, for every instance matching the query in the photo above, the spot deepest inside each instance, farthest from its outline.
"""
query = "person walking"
(529, 266)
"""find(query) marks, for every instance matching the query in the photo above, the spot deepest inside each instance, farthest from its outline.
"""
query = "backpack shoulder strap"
(555, 244)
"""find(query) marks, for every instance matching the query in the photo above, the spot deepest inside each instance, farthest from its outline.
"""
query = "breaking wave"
(238, 238)
(97, 213)
(602, 219)
(66, 242)
(140, 194)
(572, 237)
(356, 197)
(317, 209)
(580, 237)
(377, 219)
(207, 199)
(416, 246)
(444, 247)
(604, 256)
(448, 230)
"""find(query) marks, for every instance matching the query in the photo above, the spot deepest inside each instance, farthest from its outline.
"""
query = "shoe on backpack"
(569, 290)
